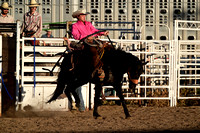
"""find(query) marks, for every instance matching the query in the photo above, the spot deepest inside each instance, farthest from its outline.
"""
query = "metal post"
(90, 96)
(17, 61)
(175, 46)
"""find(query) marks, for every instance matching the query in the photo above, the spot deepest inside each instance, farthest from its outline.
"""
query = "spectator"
(47, 35)
(32, 25)
(5, 18)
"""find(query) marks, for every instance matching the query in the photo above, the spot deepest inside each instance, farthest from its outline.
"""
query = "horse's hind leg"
(76, 97)
(68, 91)
(68, 94)
(98, 89)
(119, 93)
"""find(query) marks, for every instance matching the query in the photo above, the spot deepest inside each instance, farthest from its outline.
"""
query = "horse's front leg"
(118, 89)
(98, 89)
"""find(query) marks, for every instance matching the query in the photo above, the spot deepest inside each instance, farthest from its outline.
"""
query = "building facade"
(150, 19)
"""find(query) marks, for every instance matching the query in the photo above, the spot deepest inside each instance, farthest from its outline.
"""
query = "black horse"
(115, 64)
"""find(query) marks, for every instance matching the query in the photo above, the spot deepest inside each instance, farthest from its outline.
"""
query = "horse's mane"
(123, 56)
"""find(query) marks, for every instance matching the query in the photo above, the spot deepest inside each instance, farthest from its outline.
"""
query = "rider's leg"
(82, 106)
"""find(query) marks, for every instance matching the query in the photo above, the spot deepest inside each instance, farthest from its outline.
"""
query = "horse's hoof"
(128, 117)
(98, 117)
(74, 111)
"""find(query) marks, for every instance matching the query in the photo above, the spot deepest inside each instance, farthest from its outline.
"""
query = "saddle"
(97, 47)
(94, 42)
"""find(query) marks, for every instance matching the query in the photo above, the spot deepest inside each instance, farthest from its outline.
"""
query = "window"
(67, 11)
(163, 38)
(94, 11)
(5, 1)
(46, 11)
(136, 7)
(191, 8)
(43, 10)
(81, 4)
(149, 37)
(191, 38)
(18, 10)
(18, 2)
(150, 14)
(46, 2)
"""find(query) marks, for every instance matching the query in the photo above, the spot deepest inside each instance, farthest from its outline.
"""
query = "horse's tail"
(55, 95)
(59, 89)
(63, 77)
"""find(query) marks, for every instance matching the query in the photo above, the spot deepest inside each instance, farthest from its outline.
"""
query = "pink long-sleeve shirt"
(81, 30)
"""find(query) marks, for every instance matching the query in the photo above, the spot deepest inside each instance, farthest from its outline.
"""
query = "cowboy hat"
(33, 3)
(5, 6)
(47, 30)
(79, 12)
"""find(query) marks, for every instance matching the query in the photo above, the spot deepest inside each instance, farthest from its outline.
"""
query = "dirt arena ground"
(144, 119)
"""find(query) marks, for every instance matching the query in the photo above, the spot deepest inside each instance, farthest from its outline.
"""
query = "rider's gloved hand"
(106, 33)
(68, 43)
(90, 38)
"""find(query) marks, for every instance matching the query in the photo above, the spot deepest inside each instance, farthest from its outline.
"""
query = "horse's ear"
(145, 63)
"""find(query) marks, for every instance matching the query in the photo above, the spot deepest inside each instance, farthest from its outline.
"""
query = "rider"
(83, 28)
(80, 30)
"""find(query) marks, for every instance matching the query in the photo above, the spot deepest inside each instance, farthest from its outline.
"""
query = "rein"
(102, 53)
(99, 64)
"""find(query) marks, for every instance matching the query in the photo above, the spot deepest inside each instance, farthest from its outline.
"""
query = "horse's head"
(134, 73)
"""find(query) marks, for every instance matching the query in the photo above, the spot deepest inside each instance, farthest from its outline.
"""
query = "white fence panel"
(162, 79)
(187, 58)
(36, 97)
(158, 72)
(189, 70)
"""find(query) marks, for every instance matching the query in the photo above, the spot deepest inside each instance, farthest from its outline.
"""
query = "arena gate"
(187, 57)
